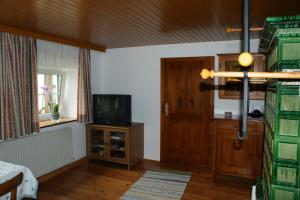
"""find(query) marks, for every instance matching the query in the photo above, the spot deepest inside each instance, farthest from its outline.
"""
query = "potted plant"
(53, 107)
(54, 111)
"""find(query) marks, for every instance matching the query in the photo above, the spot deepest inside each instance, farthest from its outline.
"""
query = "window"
(57, 86)
(58, 71)
(49, 91)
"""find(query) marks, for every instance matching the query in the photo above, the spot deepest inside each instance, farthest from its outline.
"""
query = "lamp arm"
(205, 74)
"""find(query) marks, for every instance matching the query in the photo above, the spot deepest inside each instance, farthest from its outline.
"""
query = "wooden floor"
(104, 181)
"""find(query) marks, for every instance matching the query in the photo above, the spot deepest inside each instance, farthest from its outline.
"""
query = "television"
(112, 109)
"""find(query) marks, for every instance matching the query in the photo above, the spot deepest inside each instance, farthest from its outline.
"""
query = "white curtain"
(55, 55)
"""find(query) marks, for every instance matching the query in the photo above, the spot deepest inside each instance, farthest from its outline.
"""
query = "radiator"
(42, 153)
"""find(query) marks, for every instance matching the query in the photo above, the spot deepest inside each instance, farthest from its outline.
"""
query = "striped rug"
(158, 185)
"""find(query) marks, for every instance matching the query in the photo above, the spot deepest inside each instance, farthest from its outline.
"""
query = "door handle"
(166, 109)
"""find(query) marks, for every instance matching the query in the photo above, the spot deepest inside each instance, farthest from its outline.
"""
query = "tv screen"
(112, 109)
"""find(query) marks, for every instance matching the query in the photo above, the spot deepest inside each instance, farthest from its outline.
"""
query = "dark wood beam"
(52, 38)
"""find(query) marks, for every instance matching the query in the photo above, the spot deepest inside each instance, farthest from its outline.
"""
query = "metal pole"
(246, 48)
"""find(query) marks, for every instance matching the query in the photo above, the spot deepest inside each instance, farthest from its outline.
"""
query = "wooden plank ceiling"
(126, 23)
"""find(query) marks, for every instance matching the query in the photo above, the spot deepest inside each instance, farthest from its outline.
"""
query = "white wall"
(136, 71)
(97, 59)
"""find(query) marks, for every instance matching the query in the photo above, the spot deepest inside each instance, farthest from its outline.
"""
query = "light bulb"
(245, 59)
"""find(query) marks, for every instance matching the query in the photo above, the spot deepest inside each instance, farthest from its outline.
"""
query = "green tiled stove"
(281, 160)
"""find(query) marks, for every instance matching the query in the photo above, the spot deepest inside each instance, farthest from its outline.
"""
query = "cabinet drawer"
(227, 124)
(235, 125)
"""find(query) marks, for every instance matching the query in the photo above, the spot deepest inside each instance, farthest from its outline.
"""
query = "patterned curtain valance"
(18, 86)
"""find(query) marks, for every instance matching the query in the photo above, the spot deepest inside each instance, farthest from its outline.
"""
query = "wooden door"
(187, 108)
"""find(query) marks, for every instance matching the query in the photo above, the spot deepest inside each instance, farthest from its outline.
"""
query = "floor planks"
(103, 181)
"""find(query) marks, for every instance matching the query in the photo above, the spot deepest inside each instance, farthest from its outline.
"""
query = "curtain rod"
(253, 29)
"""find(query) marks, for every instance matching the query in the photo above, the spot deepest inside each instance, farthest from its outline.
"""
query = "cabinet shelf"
(118, 149)
(117, 140)
(97, 145)
(98, 137)
(119, 136)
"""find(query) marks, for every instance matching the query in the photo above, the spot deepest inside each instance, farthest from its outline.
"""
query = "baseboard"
(61, 170)
(151, 161)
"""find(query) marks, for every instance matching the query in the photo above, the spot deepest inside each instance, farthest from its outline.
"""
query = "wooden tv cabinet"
(118, 144)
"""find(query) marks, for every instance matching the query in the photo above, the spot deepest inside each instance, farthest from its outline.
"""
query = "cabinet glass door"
(97, 143)
(117, 141)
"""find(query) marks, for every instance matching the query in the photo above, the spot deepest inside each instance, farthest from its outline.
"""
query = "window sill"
(49, 122)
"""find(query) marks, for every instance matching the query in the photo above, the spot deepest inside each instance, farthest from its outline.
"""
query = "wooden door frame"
(163, 96)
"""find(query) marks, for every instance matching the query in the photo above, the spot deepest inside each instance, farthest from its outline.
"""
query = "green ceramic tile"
(287, 151)
(290, 103)
(289, 127)
(283, 195)
(286, 175)
(290, 51)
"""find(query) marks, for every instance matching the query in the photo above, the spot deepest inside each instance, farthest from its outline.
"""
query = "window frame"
(47, 71)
